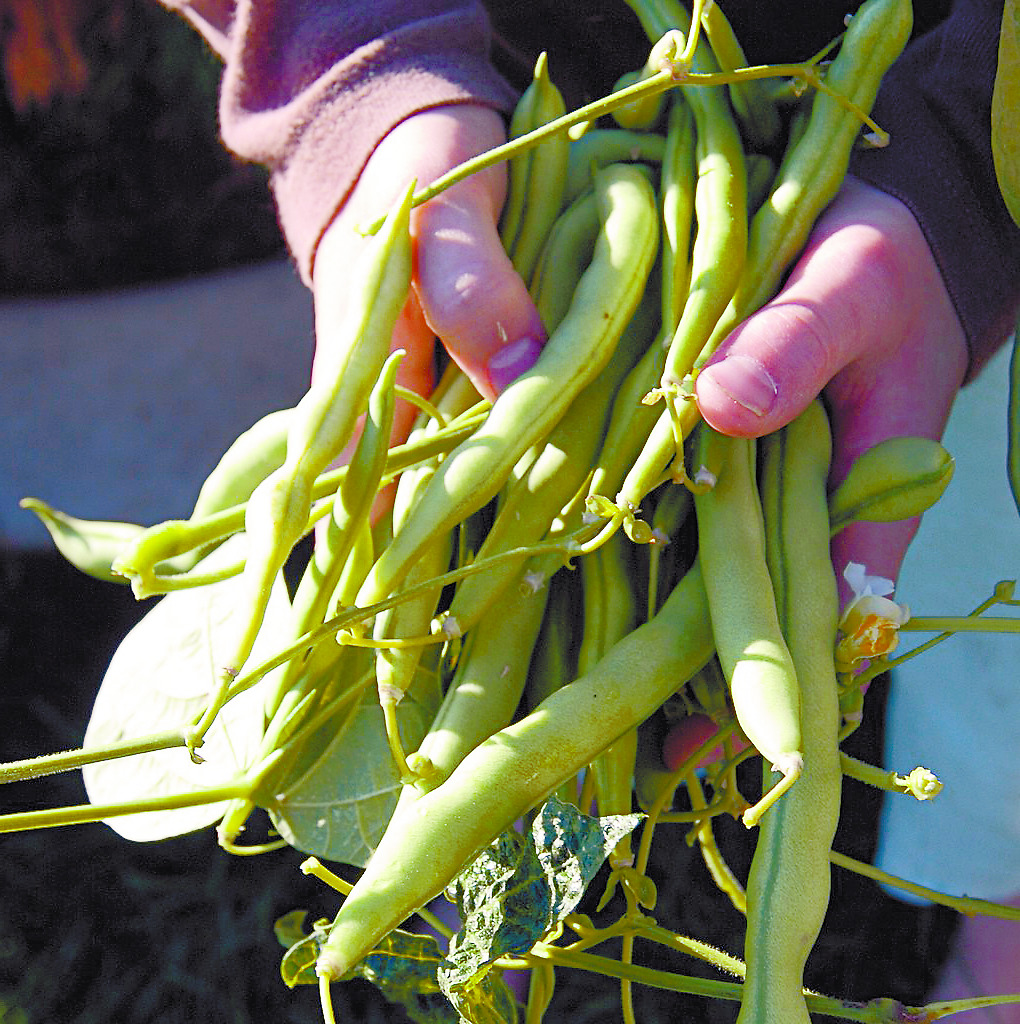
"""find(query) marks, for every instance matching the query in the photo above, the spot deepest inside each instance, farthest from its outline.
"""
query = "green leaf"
(89, 545)
(336, 799)
(298, 964)
(1005, 104)
(488, 1000)
(521, 887)
(158, 680)
(403, 967)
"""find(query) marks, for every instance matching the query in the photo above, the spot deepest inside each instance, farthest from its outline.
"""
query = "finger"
(909, 393)
(852, 290)
(469, 292)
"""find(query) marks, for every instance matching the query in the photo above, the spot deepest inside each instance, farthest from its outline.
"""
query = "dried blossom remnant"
(870, 625)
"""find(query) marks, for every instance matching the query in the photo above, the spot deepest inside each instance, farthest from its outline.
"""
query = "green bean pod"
(256, 453)
(898, 478)
(352, 505)
(752, 104)
(788, 887)
(610, 613)
(431, 840)
(567, 251)
(396, 666)
(91, 546)
(601, 147)
(642, 115)
(486, 687)
(323, 422)
(676, 192)
(645, 113)
(752, 651)
(531, 502)
(761, 171)
(814, 168)
(605, 301)
(720, 245)
(538, 176)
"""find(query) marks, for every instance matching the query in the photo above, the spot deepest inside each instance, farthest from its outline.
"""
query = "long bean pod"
(514, 769)
(788, 887)
(526, 411)
(813, 169)
(752, 651)
(322, 423)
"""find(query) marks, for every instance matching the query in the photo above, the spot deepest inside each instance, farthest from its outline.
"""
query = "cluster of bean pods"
(582, 555)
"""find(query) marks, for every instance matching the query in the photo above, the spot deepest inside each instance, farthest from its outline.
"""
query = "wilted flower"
(870, 625)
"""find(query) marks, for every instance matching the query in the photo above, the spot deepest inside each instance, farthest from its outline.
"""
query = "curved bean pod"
(605, 300)
(898, 478)
(256, 453)
(538, 176)
(323, 421)
(752, 651)
(813, 169)
(435, 836)
(601, 147)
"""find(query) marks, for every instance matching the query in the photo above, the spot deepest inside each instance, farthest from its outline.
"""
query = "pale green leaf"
(338, 797)
(158, 680)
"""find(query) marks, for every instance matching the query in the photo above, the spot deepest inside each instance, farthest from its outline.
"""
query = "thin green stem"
(81, 814)
(314, 867)
(960, 624)
(962, 904)
(72, 760)
(709, 954)
(660, 82)
(569, 547)
(636, 974)
(877, 1011)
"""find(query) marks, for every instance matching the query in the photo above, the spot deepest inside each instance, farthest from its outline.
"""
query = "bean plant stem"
(71, 760)
(961, 904)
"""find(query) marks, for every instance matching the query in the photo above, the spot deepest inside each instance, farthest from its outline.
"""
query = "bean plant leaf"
(158, 680)
(1005, 104)
(298, 964)
(89, 545)
(521, 887)
(403, 967)
(337, 798)
(488, 1000)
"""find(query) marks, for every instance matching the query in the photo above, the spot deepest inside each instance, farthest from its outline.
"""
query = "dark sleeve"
(310, 88)
(936, 104)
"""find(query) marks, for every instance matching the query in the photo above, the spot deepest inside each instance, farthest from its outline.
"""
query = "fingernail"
(745, 381)
(511, 361)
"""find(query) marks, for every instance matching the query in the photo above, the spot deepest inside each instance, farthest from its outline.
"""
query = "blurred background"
(148, 314)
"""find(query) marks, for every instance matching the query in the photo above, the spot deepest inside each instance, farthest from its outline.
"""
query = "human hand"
(464, 288)
(865, 319)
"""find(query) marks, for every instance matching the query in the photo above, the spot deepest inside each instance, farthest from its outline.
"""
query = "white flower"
(871, 622)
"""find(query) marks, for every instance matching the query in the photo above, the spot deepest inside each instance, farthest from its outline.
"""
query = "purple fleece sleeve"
(936, 103)
(311, 87)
